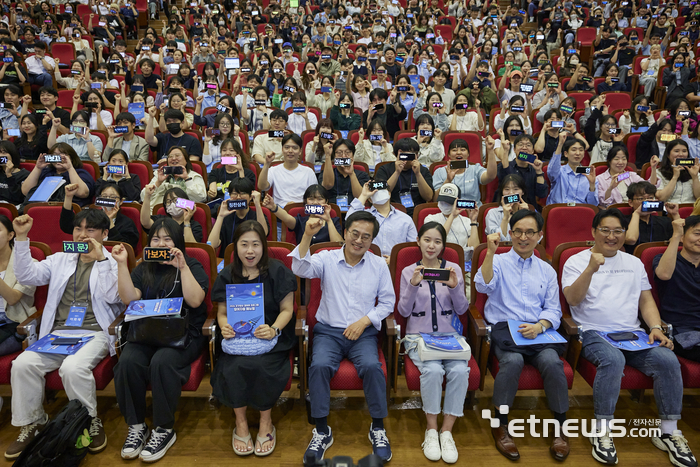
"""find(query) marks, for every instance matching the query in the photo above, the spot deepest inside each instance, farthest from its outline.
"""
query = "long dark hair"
(511, 178)
(158, 279)
(666, 168)
(236, 267)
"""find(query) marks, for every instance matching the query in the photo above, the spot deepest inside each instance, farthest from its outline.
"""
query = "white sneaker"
(431, 445)
(449, 449)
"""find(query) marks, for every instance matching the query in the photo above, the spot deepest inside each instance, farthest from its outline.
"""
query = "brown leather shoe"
(560, 447)
(504, 443)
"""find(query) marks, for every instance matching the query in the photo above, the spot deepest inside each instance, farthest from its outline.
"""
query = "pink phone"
(623, 176)
(233, 160)
(184, 203)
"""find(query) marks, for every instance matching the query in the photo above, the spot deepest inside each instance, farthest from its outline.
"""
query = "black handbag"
(161, 331)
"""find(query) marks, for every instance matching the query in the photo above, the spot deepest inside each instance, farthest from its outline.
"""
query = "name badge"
(342, 202)
(406, 199)
(76, 315)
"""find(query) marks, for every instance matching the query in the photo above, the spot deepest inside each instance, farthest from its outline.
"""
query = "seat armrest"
(569, 326)
(391, 326)
(115, 325)
(33, 320)
(209, 327)
(482, 329)
(300, 327)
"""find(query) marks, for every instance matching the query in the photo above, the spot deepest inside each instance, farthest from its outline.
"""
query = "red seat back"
(144, 170)
(205, 255)
(561, 256)
(46, 225)
(567, 224)
(39, 252)
(472, 138)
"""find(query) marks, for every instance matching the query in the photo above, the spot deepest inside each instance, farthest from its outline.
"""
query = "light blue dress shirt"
(349, 293)
(468, 182)
(521, 289)
(568, 186)
(397, 227)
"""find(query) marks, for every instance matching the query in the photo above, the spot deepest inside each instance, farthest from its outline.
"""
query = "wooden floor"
(204, 430)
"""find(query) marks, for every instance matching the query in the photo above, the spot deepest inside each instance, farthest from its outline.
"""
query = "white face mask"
(573, 62)
(445, 208)
(381, 197)
(494, 40)
(174, 211)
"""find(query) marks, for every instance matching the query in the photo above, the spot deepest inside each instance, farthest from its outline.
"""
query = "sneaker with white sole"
(26, 435)
(98, 435)
(135, 441)
(320, 442)
(449, 448)
(603, 449)
(677, 448)
(431, 445)
(380, 443)
(158, 444)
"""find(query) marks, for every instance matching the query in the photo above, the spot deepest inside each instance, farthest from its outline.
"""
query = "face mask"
(222, 23)
(573, 62)
(173, 128)
(445, 208)
(494, 40)
(381, 197)
(174, 211)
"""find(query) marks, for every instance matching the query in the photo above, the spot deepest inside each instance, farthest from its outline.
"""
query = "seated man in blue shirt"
(592, 282)
(678, 280)
(348, 321)
(394, 226)
(504, 277)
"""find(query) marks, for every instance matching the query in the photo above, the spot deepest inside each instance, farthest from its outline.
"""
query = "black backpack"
(55, 446)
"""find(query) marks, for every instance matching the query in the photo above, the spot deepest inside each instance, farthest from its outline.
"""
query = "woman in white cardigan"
(376, 148)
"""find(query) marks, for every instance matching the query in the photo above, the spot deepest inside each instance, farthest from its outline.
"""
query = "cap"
(448, 193)
(516, 72)
(286, 44)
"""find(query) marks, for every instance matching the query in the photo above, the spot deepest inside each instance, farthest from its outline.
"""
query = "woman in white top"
(460, 229)
(376, 148)
(257, 118)
(211, 152)
(650, 70)
(309, 81)
(76, 78)
(613, 183)
(496, 220)
(382, 80)
(512, 108)
(550, 91)
(635, 120)
(463, 120)
(94, 104)
(677, 184)
(326, 100)
(512, 128)
(431, 147)
(314, 152)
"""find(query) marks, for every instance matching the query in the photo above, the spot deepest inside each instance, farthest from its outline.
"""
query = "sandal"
(246, 440)
(270, 437)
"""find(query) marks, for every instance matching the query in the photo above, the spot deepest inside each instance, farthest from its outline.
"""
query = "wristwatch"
(657, 327)
(475, 224)
(277, 330)
(544, 328)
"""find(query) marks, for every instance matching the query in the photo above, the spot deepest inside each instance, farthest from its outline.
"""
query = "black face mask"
(173, 128)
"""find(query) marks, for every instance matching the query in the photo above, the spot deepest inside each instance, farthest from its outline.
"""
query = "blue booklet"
(138, 110)
(46, 345)
(442, 342)
(46, 190)
(640, 344)
(148, 308)
(415, 81)
(220, 266)
(550, 336)
(245, 308)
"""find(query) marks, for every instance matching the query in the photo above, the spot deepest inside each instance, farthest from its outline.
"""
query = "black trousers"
(691, 354)
(164, 368)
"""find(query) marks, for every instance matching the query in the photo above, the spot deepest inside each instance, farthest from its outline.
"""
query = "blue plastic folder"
(245, 308)
(442, 342)
(137, 109)
(548, 337)
(640, 344)
(149, 308)
(46, 190)
(415, 81)
(45, 345)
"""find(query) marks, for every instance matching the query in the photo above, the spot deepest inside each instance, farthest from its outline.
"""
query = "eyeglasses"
(343, 153)
(224, 125)
(355, 235)
(519, 233)
(290, 148)
(115, 198)
(168, 202)
(616, 232)
(646, 198)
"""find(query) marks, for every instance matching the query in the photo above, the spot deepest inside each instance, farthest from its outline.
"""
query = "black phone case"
(623, 336)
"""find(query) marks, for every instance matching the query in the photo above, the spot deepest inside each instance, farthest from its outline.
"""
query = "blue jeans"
(329, 349)
(659, 362)
(43, 79)
(431, 377)
(547, 362)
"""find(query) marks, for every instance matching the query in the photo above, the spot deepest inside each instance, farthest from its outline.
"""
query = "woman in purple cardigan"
(426, 315)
